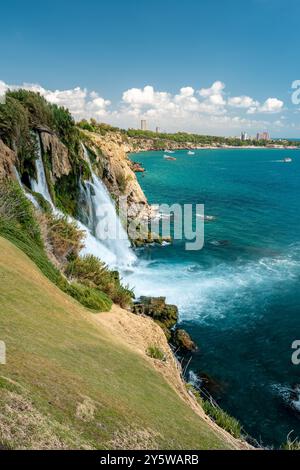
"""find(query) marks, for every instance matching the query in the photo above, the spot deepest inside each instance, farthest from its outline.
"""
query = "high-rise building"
(143, 125)
(157, 130)
(263, 136)
(244, 136)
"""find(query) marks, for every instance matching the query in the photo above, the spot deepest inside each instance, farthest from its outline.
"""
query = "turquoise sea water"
(239, 299)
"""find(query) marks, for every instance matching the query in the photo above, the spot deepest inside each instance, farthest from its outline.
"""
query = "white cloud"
(272, 105)
(138, 98)
(207, 110)
(215, 94)
(242, 102)
(80, 103)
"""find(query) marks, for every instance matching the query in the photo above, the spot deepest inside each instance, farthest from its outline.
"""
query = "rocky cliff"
(8, 160)
(115, 169)
(57, 152)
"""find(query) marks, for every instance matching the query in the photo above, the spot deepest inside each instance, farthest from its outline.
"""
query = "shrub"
(64, 237)
(291, 444)
(92, 272)
(39, 110)
(122, 182)
(15, 130)
(90, 297)
(14, 206)
(156, 353)
(222, 419)
(42, 202)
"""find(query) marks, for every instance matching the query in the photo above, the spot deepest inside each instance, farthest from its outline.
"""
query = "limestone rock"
(8, 160)
(183, 340)
(58, 152)
(116, 171)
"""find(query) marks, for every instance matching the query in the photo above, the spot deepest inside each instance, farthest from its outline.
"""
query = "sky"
(203, 66)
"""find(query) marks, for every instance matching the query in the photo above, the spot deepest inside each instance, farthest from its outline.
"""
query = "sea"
(238, 296)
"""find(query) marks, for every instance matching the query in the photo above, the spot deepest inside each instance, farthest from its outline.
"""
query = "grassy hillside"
(70, 382)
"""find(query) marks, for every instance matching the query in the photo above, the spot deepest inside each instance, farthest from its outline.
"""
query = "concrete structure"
(143, 125)
(263, 136)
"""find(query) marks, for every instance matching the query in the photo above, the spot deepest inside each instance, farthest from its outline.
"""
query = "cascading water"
(39, 185)
(103, 221)
(104, 235)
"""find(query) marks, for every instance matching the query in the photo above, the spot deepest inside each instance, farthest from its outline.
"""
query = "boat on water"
(287, 160)
(167, 157)
(191, 153)
(169, 151)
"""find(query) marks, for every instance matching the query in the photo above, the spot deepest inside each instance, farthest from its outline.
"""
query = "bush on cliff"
(15, 131)
(16, 208)
(92, 272)
(62, 235)
(90, 298)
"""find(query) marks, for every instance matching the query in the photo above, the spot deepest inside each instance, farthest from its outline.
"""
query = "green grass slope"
(69, 383)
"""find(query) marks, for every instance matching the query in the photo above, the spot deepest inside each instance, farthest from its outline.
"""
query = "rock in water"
(183, 340)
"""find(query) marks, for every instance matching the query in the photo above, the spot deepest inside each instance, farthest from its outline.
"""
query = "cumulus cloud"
(272, 105)
(79, 101)
(214, 95)
(206, 110)
(242, 102)
(138, 98)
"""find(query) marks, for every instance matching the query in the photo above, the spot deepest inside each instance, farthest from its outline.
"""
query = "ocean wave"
(203, 293)
(290, 395)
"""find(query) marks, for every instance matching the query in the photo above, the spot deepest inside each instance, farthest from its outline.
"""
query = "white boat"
(169, 151)
(168, 157)
(191, 153)
(287, 160)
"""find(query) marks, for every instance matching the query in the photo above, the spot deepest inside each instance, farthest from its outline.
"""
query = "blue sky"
(111, 48)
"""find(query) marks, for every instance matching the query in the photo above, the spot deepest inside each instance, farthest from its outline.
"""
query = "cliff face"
(114, 168)
(57, 152)
(8, 160)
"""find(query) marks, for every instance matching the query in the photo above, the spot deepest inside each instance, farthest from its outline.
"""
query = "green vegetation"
(19, 225)
(92, 272)
(221, 418)
(64, 237)
(291, 444)
(24, 112)
(90, 298)
(71, 383)
(156, 353)
(16, 133)
(161, 139)
(98, 127)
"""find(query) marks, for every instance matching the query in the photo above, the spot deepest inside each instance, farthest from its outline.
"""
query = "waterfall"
(39, 185)
(103, 219)
(104, 235)
(28, 195)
